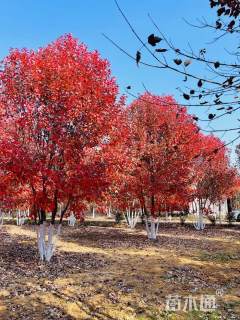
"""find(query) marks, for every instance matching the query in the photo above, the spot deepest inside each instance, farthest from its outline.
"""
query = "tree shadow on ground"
(174, 237)
(19, 257)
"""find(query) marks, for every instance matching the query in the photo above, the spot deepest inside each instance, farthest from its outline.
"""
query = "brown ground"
(114, 273)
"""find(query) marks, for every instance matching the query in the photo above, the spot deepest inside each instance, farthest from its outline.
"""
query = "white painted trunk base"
(46, 248)
(71, 220)
(1, 218)
(199, 224)
(109, 213)
(132, 218)
(152, 228)
(21, 217)
(59, 229)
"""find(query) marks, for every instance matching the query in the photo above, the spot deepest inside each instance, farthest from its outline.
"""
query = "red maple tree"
(214, 178)
(59, 118)
(158, 152)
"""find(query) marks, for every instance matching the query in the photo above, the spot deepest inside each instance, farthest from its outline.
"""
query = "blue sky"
(32, 24)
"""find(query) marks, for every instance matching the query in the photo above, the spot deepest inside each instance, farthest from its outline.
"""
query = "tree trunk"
(1, 217)
(41, 235)
(166, 215)
(132, 218)
(46, 249)
(220, 212)
(152, 228)
(21, 216)
(199, 224)
(62, 212)
(71, 220)
(18, 218)
(51, 243)
(109, 212)
(59, 229)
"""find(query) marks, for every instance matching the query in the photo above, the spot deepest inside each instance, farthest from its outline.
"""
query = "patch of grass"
(219, 257)
(193, 315)
(232, 306)
(200, 315)
(165, 315)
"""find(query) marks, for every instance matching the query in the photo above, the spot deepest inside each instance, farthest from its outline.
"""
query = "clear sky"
(31, 24)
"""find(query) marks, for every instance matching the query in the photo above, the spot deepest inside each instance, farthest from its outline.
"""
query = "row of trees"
(170, 163)
(67, 139)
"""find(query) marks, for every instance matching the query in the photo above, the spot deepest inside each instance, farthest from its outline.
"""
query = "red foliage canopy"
(168, 162)
(59, 117)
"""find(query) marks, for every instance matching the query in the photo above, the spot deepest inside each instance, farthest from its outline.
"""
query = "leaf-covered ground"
(115, 273)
